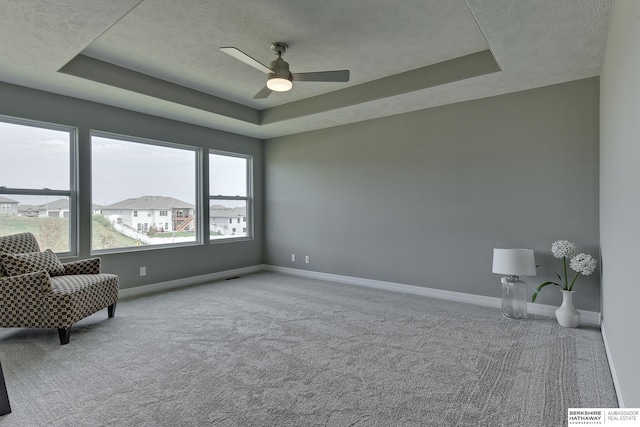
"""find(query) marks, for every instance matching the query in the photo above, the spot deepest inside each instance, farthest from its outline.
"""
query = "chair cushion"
(74, 297)
(16, 264)
(19, 243)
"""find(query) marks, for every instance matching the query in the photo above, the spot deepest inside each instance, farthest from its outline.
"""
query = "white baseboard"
(587, 317)
(612, 368)
(187, 281)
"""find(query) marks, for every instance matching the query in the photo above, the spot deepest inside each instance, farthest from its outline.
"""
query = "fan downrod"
(279, 48)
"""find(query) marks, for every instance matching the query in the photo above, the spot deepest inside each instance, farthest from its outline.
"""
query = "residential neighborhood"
(54, 209)
(157, 213)
(226, 221)
(8, 206)
(142, 217)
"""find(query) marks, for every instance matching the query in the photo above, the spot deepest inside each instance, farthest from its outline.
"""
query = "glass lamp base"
(514, 297)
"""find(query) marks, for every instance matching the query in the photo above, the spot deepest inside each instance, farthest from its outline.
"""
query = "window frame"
(72, 193)
(248, 199)
(198, 210)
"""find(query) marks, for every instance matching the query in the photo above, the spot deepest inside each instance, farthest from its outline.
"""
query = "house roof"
(150, 202)
(403, 56)
(25, 208)
(56, 205)
(53, 205)
(6, 200)
(217, 211)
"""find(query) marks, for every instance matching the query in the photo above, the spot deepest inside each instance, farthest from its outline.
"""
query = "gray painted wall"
(422, 198)
(620, 205)
(162, 264)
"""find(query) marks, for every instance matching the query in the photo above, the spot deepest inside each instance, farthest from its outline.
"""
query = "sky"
(37, 158)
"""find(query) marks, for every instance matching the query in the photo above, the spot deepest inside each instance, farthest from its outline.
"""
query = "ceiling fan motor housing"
(280, 68)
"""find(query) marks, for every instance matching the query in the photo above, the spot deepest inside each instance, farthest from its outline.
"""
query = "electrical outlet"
(306, 259)
(143, 271)
(293, 257)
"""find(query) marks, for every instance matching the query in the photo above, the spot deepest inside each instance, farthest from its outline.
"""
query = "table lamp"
(515, 263)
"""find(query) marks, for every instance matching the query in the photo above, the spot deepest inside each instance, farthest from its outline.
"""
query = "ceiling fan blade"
(322, 76)
(238, 54)
(264, 92)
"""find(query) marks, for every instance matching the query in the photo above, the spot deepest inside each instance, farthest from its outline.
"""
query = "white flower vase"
(567, 314)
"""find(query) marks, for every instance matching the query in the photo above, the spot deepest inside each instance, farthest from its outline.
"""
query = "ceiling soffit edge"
(103, 72)
(453, 70)
(465, 67)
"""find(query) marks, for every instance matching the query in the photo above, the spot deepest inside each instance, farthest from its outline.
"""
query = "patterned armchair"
(39, 291)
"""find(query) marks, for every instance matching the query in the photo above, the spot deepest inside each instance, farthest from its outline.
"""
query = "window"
(229, 195)
(38, 184)
(132, 188)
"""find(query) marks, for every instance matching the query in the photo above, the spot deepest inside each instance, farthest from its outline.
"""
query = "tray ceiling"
(162, 57)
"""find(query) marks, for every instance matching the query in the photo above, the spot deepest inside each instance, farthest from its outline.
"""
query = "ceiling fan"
(279, 77)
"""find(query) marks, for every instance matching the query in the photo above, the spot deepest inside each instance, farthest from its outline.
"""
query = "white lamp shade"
(279, 84)
(514, 262)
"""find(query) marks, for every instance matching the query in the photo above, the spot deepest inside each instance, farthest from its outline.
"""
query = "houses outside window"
(38, 184)
(230, 195)
(129, 177)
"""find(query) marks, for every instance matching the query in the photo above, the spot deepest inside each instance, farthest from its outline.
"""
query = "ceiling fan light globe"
(279, 84)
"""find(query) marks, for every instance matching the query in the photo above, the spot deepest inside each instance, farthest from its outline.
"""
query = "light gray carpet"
(275, 350)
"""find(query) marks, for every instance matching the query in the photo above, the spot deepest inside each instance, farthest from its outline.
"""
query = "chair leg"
(5, 407)
(111, 310)
(65, 334)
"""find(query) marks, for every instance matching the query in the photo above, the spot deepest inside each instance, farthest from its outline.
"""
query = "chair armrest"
(22, 299)
(82, 266)
(25, 287)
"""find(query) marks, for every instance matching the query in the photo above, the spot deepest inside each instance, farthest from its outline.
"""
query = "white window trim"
(248, 198)
(72, 193)
(199, 210)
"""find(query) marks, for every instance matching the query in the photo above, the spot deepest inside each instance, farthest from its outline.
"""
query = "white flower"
(563, 248)
(583, 263)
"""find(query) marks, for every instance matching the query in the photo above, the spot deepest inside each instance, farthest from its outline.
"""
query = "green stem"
(566, 279)
(574, 281)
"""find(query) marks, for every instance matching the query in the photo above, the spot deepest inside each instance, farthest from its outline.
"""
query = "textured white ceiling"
(535, 43)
